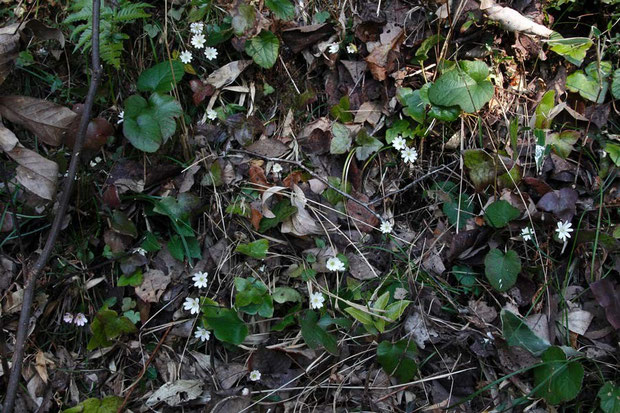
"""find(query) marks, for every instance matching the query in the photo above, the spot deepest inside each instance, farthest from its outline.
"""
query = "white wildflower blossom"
(399, 143)
(351, 48)
(200, 279)
(334, 47)
(95, 161)
(316, 301)
(198, 41)
(68, 318)
(121, 117)
(334, 264)
(197, 27)
(80, 319)
(276, 168)
(563, 230)
(192, 305)
(255, 375)
(186, 57)
(139, 250)
(409, 155)
(400, 293)
(210, 53)
(386, 227)
(211, 114)
(526, 233)
(202, 334)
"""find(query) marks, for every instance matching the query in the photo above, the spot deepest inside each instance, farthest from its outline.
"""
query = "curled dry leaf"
(301, 222)
(201, 90)
(512, 20)
(49, 121)
(9, 49)
(379, 59)
(300, 38)
(271, 148)
(227, 74)
(97, 134)
(43, 32)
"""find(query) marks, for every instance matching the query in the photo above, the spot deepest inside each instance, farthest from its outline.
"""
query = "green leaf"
(451, 209)
(517, 333)
(558, 380)
(502, 270)
(133, 280)
(175, 248)
(256, 249)
(422, 53)
(399, 127)
(609, 396)
(613, 150)
(359, 315)
(413, 104)
(226, 325)
(134, 316)
(263, 49)
(464, 86)
(107, 326)
(162, 77)
(464, 275)
(150, 242)
(253, 297)
(481, 167)
(382, 301)
(592, 84)
(282, 211)
(544, 109)
(122, 224)
(572, 49)
(283, 9)
(615, 84)
(500, 213)
(396, 309)
(562, 143)
(341, 139)
(341, 111)
(315, 336)
(109, 404)
(398, 359)
(149, 124)
(285, 294)
(367, 145)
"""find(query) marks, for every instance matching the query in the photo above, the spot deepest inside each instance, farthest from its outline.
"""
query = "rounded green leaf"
(500, 213)
(162, 77)
(558, 380)
(609, 396)
(615, 85)
(263, 48)
(398, 359)
(285, 294)
(283, 9)
(341, 139)
(227, 326)
(464, 86)
(502, 269)
(143, 133)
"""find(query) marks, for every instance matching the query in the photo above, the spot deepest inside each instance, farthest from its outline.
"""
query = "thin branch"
(33, 272)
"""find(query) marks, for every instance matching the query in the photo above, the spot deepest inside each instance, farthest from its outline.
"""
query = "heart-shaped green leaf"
(283, 9)
(465, 86)
(315, 336)
(558, 380)
(227, 326)
(500, 213)
(255, 249)
(572, 49)
(149, 124)
(609, 395)
(592, 84)
(162, 77)
(398, 359)
(263, 48)
(502, 270)
(367, 145)
(341, 139)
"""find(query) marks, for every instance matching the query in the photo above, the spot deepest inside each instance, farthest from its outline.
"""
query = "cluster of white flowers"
(79, 319)
(351, 48)
(409, 155)
(334, 47)
(198, 41)
(193, 304)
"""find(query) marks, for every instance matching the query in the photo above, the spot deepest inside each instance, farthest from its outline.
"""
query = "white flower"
(255, 375)
(202, 334)
(198, 41)
(409, 155)
(245, 391)
(68, 318)
(197, 27)
(400, 293)
(386, 227)
(80, 319)
(121, 117)
(276, 168)
(399, 143)
(200, 279)
(210, 53)
(539, 156)
(140, 251)
(334, 47)
(192, 305)
(211, 114)
(316, 300)
(334, 264)
(351, 48)
(563, 230)
(526, 233)
(186, 57)
(95, 161)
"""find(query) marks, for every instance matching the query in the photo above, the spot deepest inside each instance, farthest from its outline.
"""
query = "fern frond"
(131, 11)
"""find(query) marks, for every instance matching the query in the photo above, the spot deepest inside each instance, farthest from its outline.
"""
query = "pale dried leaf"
(512, 20)
(36, 173)
(176, 392)
(153, 286)
(8, 140)
(9, 49)
(227, 74)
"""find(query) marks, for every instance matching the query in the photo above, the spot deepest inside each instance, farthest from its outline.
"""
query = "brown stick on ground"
(32, 273)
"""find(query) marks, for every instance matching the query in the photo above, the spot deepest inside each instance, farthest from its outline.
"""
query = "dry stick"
(146, 365)
(33, 272)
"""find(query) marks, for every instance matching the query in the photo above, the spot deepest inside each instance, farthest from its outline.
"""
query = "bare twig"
(32, 273)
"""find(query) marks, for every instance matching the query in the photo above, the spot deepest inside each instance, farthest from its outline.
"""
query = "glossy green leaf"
(609, 396)
(558, 380)
(517, 333)
(572, 49)
(502, 269)
(315, 336)
(107, 326)
(283, 9)
(227, 326)
(413, 104)
(562, 142)
(591, 84)
(282, 211)
(465, 86)
(464, 275)
(398, 359)
(148, 125)
(133, 280)
(500, 213)
(359, 315)
(613, 150)
(255, 249)
(162, 77)
(263, 49)
(341, 111)
(543, 110)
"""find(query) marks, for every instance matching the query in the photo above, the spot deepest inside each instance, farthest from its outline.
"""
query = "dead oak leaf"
(153, 286)
(363, 218)
(379, 59)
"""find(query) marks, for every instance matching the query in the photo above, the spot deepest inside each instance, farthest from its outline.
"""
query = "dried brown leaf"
(227, 74)
(9, 49)
(153, 286)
